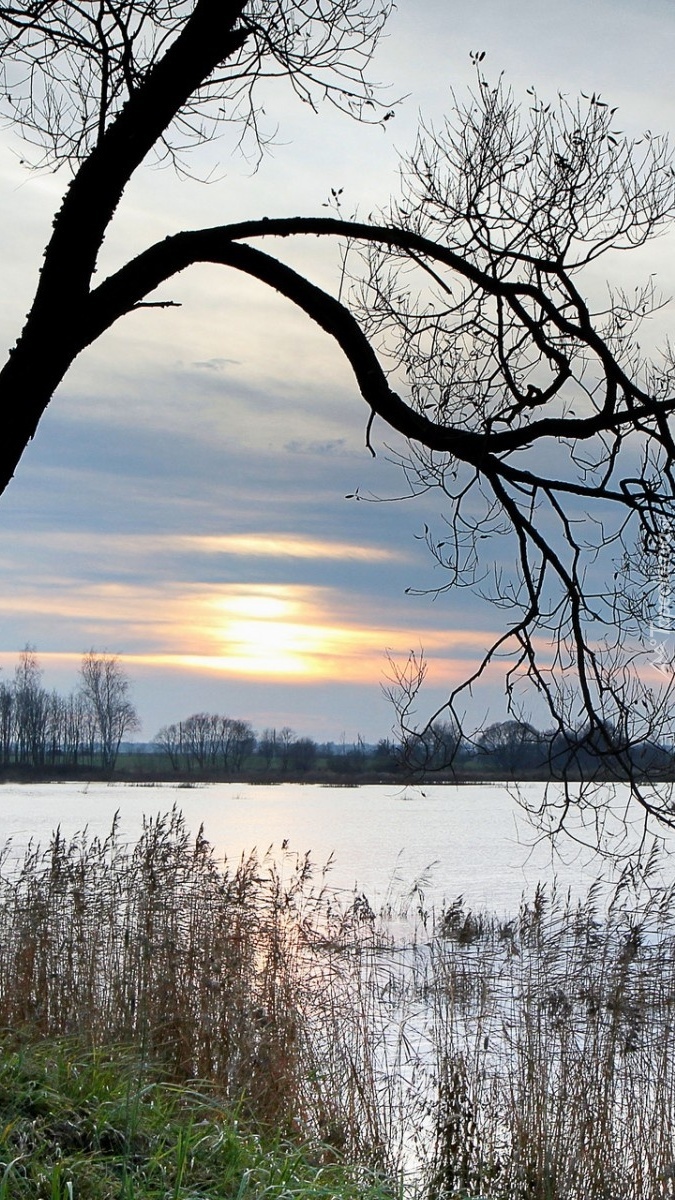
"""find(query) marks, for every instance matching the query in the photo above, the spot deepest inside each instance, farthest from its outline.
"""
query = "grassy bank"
(521, 1059)
(148, 769)
(82, 1124)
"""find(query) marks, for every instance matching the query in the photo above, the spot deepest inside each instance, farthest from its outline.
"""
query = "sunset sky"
(184, 503)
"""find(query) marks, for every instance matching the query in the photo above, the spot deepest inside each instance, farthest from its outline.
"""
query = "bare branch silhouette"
(525, 397)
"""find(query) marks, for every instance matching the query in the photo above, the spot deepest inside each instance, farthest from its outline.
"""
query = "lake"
(544, 1043)
(466, 839)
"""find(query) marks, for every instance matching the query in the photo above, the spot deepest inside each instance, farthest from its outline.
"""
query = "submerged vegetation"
(269, 1025)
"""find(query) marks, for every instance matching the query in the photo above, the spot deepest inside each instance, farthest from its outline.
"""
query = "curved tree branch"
(528, 407)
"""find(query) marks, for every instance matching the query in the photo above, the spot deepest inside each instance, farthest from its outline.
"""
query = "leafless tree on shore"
(524, 397)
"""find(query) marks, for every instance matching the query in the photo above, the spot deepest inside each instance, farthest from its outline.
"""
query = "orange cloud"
(271, 545)
(280, 631)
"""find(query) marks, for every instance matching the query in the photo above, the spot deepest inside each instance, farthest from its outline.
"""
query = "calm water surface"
(471, 840)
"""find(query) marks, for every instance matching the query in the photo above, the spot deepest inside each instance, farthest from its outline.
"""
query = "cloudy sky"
(184, 503)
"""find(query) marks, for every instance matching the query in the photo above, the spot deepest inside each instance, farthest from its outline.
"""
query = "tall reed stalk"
(242, 975)
(529, 1059)
(553, 1048)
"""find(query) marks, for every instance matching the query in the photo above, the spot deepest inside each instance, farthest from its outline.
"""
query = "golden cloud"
(280, 631)
(263, 544)
(271, 545)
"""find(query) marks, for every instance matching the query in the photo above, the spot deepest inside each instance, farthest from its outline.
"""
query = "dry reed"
(552, 1043)
(232, 974)
(525, 1060)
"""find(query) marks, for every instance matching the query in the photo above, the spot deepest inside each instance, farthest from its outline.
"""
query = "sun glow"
(273, 648)
(278, 632)
(302, 633)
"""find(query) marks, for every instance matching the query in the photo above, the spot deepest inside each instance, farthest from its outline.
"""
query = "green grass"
(103, 1125)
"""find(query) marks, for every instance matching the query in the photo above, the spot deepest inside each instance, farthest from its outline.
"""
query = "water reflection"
(401, 847)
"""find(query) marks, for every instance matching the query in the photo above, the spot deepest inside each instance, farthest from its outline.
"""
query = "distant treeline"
(211, 744)
(42, 732)
(516, 749)
(42, 729)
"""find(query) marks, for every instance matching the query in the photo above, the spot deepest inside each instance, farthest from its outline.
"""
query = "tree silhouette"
(105, 85)
(105, 691)
(529, 405)
(548, 430)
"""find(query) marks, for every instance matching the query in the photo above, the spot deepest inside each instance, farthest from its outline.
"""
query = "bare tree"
(543, 425)
(515, 745)
(302, 755)
(70, 69)
(198, 743)
(7, 722)
(267, 747)
(240, 743)
(207, 741)
(525, 398)
(73, 729)
(102, 87)
(105, 690)
(285, 739)
(31, 709)
(170, 741)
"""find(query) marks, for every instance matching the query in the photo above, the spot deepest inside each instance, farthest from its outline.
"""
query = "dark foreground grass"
(77, 1124)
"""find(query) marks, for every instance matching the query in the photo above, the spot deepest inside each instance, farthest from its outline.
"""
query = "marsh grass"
(528, 1059)
(248, 976)
(552, 1043)
(103, 1125)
